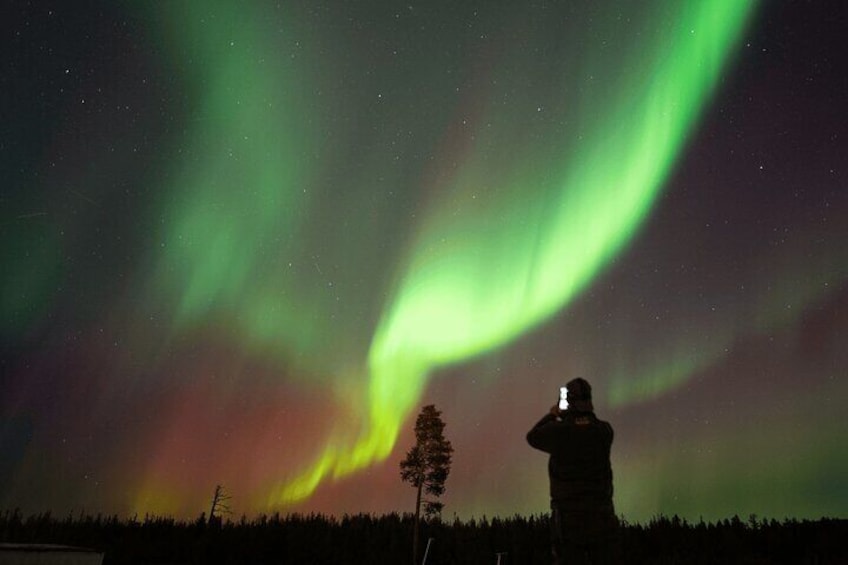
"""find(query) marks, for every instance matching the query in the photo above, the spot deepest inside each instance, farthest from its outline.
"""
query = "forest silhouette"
(363, 538)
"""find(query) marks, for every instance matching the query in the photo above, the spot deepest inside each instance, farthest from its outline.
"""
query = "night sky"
(244, 243)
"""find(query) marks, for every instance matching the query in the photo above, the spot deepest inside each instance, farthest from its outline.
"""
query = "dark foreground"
(317, 539)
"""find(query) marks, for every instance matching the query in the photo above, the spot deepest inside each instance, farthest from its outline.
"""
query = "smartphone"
(563, 398)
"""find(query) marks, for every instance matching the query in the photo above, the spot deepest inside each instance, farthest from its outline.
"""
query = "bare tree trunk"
(216, 498)
(219, 505)
(415, 527)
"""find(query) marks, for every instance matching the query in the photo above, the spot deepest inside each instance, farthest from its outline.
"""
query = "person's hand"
(555, 411)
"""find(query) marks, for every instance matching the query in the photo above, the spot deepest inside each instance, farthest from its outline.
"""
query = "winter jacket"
(579, 466)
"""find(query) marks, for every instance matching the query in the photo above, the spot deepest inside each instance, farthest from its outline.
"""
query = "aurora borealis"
(242, 246)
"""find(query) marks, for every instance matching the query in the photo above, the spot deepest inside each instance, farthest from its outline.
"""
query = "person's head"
(580, 394)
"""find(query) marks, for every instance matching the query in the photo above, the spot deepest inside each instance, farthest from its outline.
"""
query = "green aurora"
(244, 243)
(502, 249)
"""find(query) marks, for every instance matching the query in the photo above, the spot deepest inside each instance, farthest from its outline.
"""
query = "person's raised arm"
(541, 436)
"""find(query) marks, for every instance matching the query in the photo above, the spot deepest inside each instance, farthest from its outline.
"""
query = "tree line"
(364, 538)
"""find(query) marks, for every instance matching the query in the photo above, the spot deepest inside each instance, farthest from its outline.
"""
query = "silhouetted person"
(583, 521)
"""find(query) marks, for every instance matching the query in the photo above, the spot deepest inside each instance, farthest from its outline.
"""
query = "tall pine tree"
(426, 466)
